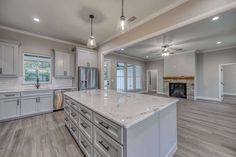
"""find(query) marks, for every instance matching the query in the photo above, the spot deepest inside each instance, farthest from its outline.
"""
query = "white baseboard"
(140, 92)
(230, 94)
(160, 93)
(207, 98)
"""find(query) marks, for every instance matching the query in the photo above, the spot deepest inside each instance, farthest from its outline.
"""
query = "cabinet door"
(28, 106)
(59, 64)
(44, 104)
(93, 59)
(66, 67)
(9, 59)
(9, 108)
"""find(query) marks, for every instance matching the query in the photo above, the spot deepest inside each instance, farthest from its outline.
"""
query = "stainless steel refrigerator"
(88, 78)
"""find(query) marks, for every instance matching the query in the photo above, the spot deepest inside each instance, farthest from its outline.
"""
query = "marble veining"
(122, 108)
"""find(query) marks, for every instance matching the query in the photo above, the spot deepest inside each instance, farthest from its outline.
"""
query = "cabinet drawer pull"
(103, 145)
(73, 104)
(73, 129)
(104, 125)
(8, 95)
(84, 144)
(73, 114)
(66, 119)
(84, 111)
(0, 70)
(18, 102)
(84, 125)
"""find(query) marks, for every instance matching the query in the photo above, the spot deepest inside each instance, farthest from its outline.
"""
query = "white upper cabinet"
(87, 58)
(9, 59)
(64, 64)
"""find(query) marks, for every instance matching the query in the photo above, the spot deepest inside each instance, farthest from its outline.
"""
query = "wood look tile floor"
(205, 129)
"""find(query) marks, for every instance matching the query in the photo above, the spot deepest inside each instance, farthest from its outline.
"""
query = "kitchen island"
(106, 123)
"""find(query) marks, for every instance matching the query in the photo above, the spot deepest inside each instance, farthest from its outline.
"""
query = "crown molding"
(39, 36)
(128, 56)
(217, 49)
(148, 18)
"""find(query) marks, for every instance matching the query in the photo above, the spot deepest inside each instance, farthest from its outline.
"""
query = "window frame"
(37, 55)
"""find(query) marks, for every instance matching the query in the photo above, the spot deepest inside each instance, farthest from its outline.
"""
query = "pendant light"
(91, 41)
(123, 23)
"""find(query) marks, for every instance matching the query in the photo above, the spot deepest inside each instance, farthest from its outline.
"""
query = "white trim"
(207, 98)
(179, 25)
(162, 93)
(230, 94)
(147, 81)
(148, 18)
(172, 151)
(39, 36)
(128, 56)
(217, 49)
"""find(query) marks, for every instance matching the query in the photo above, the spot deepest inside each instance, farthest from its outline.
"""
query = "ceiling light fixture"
(165, 54)
(122, 49)
(219, 42)
(215, 18)
(147, 56)
(91, 41)
(36, 19)
(123, 23)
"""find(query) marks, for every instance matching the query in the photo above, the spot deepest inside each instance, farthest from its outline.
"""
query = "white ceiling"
(69, 19)
(201, 35)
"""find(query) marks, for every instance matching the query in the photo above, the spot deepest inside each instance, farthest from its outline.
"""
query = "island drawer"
(9, 95)
(86, 127)
(96, 153)
(71, 103)
(67, 120)
(109, 127)
(86, 147)
(106, 145)
(74, 131)
(87, 113)
(67, 109)
(74, 115)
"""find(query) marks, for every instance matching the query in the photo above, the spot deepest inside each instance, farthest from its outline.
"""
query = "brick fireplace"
(179, 86)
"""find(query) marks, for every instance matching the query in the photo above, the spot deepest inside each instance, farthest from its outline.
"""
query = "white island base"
(112, 124)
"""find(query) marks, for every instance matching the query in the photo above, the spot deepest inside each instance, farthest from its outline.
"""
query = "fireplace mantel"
(178, 78)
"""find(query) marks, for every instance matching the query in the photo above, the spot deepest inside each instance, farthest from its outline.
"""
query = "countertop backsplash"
(6, 83)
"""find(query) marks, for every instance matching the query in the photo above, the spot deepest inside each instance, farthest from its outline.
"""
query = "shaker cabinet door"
(44, 104)
(9, 108)
(28, 106)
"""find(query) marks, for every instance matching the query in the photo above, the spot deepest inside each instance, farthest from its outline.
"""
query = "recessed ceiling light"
(147, 56)
(36, 19)
(122, 49)
(215, 18)
(219, 42)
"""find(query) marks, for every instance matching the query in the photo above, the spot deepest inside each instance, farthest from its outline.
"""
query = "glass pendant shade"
(122, 24)
(91, 42)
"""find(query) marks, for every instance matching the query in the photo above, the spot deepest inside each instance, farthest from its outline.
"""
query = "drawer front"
(106, 145)
(86, 127)
(67, 109)
(9, 95)
(74, 131)
(71, 103)
(85, 145)
(112, 129)
(74, 115)
(36, 93)
(96, 153)
(67, 121)
(86, 112)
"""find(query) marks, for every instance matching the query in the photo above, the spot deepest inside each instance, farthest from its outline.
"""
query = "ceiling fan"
(169, 49)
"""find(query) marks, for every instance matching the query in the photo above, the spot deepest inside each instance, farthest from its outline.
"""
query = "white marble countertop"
(122, 108)
(32, 88)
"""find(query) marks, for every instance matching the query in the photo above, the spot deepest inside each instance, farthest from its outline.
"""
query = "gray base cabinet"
(21, 104)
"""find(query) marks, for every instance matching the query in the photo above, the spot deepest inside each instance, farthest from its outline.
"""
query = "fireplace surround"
(188, 80)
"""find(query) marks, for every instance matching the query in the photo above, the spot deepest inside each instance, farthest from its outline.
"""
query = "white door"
(44, 104)
(28, 106)
(9, 108)
(222, 83)
(107, 75)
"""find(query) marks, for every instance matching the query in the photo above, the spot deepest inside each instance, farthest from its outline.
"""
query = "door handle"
(0, 70)
(18, 102)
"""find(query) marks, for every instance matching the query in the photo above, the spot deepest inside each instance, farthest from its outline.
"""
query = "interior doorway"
(152, 81)
(107, 74)
(227, 79)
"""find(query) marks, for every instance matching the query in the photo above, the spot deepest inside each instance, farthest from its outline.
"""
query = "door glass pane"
(120, 76)
(130, 77)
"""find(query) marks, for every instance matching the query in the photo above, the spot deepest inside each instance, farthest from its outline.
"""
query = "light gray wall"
(159, 66)
(117, 58)
(229, 79)
(34, 45)
(180, 65)
(208, 71)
